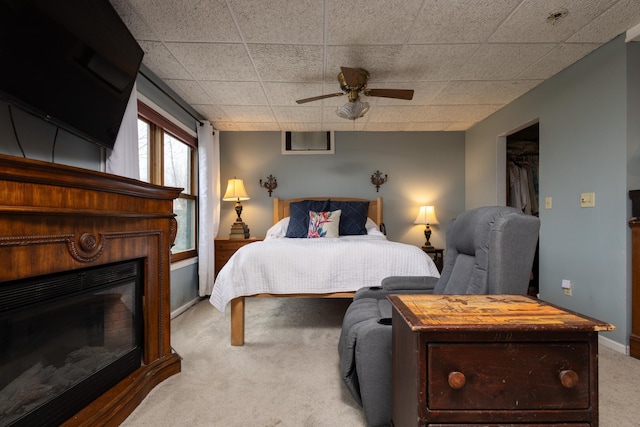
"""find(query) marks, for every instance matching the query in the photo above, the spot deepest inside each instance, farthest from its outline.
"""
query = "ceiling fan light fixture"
(353, 109)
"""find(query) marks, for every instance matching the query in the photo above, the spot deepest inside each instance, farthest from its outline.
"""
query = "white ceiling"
(243, 63)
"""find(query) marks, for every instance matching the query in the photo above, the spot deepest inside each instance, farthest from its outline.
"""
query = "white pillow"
(279, 229)
(324, 224)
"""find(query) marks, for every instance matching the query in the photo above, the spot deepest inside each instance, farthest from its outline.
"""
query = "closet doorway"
(523, 149)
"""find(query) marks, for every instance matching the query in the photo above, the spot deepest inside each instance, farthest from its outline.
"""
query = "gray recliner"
(489, 250)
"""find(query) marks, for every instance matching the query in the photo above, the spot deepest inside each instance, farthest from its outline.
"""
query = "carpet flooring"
(287, 373)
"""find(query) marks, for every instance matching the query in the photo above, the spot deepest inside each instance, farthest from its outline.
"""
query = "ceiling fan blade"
(352, 76)
(391, 93)
(316, 98)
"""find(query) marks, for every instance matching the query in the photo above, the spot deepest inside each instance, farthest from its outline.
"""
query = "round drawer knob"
(568, 378)
(457, 380)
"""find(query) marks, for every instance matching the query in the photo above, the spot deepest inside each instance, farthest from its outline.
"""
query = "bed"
(281, 266)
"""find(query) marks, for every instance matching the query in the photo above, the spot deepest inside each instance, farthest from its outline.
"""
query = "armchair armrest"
(399, 285)
(414, 283)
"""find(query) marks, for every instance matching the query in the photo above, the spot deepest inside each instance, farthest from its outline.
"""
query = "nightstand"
(437, 254)
(225, 247)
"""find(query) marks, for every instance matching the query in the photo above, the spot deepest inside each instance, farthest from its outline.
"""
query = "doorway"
(522, 155)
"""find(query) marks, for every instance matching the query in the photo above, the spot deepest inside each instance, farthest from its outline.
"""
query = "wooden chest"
(492, 360)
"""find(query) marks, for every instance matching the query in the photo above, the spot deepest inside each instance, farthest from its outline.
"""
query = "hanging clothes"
(523, 183)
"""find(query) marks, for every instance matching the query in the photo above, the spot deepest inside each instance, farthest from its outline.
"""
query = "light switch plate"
(587, 200)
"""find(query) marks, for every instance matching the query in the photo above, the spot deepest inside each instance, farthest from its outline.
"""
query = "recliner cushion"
(365, 357)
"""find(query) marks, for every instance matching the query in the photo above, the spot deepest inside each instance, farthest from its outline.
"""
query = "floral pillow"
(324, 224)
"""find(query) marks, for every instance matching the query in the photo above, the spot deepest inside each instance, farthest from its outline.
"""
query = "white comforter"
(316, 266)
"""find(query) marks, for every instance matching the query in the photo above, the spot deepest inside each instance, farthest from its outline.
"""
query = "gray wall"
(583, 148)
(422, 168)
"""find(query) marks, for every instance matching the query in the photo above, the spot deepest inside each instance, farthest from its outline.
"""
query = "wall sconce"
(426, 215)
(271, 184)
(378, 180)
(236, 192)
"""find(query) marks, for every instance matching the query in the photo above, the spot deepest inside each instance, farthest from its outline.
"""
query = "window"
(168, 157)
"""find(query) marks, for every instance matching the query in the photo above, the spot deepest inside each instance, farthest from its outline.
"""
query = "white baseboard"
(178, 311)
(613, 345)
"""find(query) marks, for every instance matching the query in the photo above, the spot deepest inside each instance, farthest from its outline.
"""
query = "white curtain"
(123, 159)
(209, 204)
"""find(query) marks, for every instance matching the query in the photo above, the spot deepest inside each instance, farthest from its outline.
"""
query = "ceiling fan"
(353, 82)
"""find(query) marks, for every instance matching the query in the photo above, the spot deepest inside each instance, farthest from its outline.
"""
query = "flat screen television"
(70, 62)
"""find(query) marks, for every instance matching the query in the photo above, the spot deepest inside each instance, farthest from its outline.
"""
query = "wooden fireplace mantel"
(56, 218)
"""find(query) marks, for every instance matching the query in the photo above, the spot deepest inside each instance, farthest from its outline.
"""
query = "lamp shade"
(427, 215)
(235, 191)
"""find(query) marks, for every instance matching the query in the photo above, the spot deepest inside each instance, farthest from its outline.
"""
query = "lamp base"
(239, 230)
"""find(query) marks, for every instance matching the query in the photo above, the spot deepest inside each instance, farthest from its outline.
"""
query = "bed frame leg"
(237, 321)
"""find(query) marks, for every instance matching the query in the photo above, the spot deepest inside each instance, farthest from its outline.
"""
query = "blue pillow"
(299, 216)
(352, 218)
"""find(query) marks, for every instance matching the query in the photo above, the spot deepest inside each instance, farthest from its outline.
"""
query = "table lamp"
(426, 216)
(236, 192)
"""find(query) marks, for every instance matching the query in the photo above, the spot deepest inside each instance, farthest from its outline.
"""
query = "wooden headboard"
(281, 207)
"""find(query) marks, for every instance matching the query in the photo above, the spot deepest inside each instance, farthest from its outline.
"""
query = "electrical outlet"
(568, 292)
(567, 287)
(548, 202)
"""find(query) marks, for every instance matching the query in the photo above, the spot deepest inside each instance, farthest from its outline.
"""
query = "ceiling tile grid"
(242, 64)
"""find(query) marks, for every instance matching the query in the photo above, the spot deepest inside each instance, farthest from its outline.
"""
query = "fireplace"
(84, 293)
(66, 339)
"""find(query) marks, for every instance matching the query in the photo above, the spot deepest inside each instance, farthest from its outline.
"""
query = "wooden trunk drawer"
(508, 376)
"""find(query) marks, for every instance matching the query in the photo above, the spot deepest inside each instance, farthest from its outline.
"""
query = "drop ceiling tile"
(187, 20)
(402, 114)
(279, 21)
(416, 44)
(296, 63)
(614, 21)
(423, 93)
(458, 113)
(251, 126)
(459, 21)
(288, 93)
(377, 60)
(529, 22)
(159, 60)
(238, 93)
(298, 114)
(211, 112)
(483, 92)
(139, 28)
(431, 62)
(385, 127)
(428, 126)
(249, 113)
(362, 22)
(344, 126)
(212, 61)
(458, 126)
(502, 61)
(557, 60)
(335, 102)
(302, 127)
(226, 126)
(189, 90)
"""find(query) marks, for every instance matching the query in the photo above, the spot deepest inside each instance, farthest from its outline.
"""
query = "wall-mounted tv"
(71, 62)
